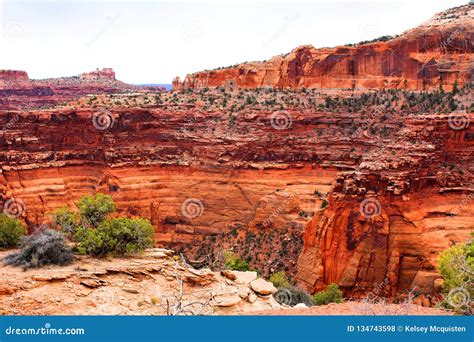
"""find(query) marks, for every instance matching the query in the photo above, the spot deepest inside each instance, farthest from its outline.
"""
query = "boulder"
(252, 298)
(244, 292)
(228, 274)
(226, 300)
(262, 287)
(93, 282)
(244, 277)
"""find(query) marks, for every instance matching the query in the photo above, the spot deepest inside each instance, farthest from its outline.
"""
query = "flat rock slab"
(226, 300)
(262, 287)
(244, 277)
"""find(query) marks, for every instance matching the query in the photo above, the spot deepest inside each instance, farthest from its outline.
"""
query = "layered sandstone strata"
(388, 222)
(104, 74)
(257, 174)
(436, 53)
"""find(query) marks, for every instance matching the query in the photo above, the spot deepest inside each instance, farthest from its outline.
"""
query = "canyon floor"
(156, 283)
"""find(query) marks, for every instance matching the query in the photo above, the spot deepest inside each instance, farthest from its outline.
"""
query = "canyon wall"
(274, 191)
(437, 53)
(392, 252)
(387, 224)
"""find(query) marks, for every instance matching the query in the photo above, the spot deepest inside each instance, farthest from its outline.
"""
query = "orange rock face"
(251, 181)
(386, 226)
(392, 252)
(437, 53)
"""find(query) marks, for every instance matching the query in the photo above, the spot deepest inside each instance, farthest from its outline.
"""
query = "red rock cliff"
(438, 52)
(259, 174)
(104, 74)
(12, 77)
(387, 222)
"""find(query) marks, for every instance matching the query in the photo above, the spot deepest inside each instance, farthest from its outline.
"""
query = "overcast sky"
(153, 41)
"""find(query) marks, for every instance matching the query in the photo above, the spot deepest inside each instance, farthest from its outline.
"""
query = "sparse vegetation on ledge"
(11, 231)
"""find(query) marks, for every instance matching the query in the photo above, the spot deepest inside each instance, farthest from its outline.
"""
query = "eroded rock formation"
(389, 221)
(257, 175)
(436, 53)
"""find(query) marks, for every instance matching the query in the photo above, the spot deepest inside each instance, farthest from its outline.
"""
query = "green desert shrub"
(456, 266)
(11, 231)
(94, 209)
(118, 236)
(331, 294)
(279, 279)
(234, 263)
(67, 219)
(46, 247)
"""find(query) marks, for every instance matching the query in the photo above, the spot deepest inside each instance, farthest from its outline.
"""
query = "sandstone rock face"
(247, 171)
(437, 53)
(12, 76)
(245, 178)
(392, 252)
(387, 223)
(176, 83)
(104, 74)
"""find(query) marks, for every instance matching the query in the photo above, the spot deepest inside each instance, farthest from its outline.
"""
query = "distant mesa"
(19, 91)
(104, 74)
(13, 75)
